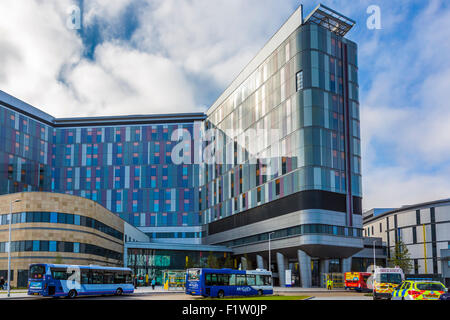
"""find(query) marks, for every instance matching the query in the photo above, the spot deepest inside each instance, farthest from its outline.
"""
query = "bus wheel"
(220, 294)
(260, 292)
(72, 294)
(119, 292)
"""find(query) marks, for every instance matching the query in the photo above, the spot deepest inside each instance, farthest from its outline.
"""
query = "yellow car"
(419, 290)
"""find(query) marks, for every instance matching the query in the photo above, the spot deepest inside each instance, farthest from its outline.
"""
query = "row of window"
(158, 235)
(63, 218)
(90, 276)
(59, 246)
(217, 279)
(298, 230)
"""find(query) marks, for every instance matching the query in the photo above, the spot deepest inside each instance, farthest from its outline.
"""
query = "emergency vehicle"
(385, 281)
(357, 281)
(419, 290)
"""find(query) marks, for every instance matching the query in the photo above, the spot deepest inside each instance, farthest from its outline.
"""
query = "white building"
(424, 228)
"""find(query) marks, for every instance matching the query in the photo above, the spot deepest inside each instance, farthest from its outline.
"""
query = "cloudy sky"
(158, 56)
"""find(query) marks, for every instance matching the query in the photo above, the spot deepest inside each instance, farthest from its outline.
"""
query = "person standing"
(2, 283)
(135, 282)
(153, 283)
(329, 284)
(146, 280)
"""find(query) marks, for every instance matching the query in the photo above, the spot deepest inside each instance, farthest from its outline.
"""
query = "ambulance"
(385, 281)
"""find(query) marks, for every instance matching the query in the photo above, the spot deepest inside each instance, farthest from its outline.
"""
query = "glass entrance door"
(315, 273)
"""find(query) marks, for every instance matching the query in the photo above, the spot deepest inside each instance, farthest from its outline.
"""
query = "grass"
(13, 291)
(268, 297)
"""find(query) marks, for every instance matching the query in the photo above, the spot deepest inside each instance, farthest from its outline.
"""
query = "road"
(164, 295)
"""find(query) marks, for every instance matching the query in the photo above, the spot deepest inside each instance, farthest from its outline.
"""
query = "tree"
(58, 259)
(212, 261)
(228, 262)
(400, 257)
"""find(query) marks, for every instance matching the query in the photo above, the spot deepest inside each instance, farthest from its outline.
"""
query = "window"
(108, 277)
(208, 279)
(414, 234)
(119, 277)
(59, 274)
(417, 216)
(44, 245)
(213, 279)
(240, 280)
(97, 277)
(232, 279)
(381, 227)
(85, 276)
(299, 78)
(250, 280)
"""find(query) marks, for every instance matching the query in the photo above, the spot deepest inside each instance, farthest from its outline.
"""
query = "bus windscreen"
(37, 271)
(194, 275)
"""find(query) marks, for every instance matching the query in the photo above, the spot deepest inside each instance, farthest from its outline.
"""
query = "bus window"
(225, 279)
(240, 280)
(213, 279)
(59, 274)
(37, 272)
(96, 277)
(208, 280)
(250, 280)
(219, 280)
(267, 281)
(232, 280)
(194, 275)
(128, 278)
(259, 280)
(119, 277)
(85, 276)
(108, 278)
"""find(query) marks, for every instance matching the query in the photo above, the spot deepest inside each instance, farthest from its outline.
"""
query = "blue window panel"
(76, 247)
(35, 245)
(53, 217)
(77, 220)
(52, 246)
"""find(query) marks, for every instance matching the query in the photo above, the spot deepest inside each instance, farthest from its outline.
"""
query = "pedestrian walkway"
(298, 289)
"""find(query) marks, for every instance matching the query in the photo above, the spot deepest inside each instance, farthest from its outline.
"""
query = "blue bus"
(60, 280)
(227, 282)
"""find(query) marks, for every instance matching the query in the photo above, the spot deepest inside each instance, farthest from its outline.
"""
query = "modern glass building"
(290, 168)
(277, 157)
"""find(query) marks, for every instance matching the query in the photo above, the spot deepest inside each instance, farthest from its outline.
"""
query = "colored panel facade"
(126, 168)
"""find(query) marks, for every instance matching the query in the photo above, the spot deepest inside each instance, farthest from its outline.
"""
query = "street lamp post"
(9, 245)
(270, 265)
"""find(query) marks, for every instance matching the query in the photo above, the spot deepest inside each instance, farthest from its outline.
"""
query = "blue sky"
(178, 56)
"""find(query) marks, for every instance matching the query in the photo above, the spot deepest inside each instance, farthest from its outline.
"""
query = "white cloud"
(215, 39)
(124, 80)
(405, 114)
(43, 65)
